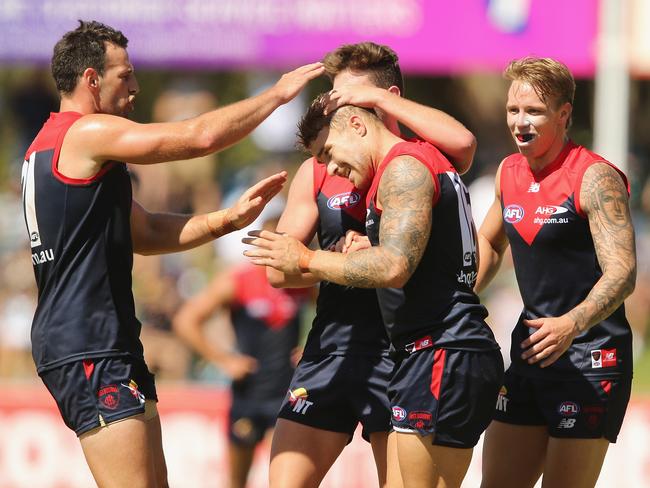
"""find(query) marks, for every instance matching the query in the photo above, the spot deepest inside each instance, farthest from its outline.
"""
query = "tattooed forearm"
(405, 193)
(605, 201)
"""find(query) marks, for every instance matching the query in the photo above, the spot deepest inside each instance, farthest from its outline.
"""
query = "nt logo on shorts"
(298, 400)
(109, 396)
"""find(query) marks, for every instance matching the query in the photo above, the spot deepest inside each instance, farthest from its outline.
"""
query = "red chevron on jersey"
(550, 197)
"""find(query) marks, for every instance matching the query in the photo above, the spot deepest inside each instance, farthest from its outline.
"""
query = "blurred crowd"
(162, 283)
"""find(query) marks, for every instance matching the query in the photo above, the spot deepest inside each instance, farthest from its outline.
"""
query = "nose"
(522, 119)
(134, 87)
(332, 169)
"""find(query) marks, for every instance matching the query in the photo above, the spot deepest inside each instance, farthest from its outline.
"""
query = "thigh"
(379, 443)
(119, 454)
(513, 455)
(301, 455)
(574, 463)
(425, 465)
(393, 474)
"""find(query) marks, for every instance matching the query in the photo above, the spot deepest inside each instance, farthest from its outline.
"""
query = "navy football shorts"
(335, 393)
(585, 408)
(95, 392)
(251, 418)
(447, 393)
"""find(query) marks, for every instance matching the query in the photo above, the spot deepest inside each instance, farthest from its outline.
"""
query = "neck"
(77, 103)
(537, 164)
(387, 141)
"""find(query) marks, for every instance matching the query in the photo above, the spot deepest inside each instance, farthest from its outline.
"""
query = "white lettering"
(302, 405)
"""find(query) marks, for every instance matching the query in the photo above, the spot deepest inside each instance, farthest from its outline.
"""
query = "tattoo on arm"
(605, 201)
(405, 193)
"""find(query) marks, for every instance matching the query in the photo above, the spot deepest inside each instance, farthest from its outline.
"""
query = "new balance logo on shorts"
(566, 424)
(298, 400)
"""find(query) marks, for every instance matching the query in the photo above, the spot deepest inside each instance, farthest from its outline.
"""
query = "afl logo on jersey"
(513, 214)
(343, 200)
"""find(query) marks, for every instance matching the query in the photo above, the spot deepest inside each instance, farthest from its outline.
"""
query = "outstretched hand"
(278, 251)
(554, 335)
(252, 202)
(290, 84)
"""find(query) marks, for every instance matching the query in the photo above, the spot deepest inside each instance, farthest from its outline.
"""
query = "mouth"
(524, 138)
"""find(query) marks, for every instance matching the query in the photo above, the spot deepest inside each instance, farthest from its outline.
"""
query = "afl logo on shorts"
(399, 413)
(513, 214)
(343, 200)
(568, 409)
(109, 396)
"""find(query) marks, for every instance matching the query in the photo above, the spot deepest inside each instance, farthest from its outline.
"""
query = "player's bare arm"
(405, 194)
(604, 200)
(189, 324)
(492, 241)
(157, 233)
(299, 219)
(432, 125)
(98, 138)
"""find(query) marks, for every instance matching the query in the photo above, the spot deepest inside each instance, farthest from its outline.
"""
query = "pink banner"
(431, 36)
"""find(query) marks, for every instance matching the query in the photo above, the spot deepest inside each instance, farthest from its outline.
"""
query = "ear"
(565, 112)
(395, 90)
(357, 124)
(90, 78)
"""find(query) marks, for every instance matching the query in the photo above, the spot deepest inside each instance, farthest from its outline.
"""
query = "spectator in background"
(84, 226)
(565, 213)
(266, 324)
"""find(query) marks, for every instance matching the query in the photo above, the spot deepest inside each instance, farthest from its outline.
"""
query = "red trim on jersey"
(606, 385)
(439, 357)
(89, 367)
(51, 137)
(422, 151)
(320, 173)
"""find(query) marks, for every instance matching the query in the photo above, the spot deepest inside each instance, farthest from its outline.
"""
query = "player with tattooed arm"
(423, 264)
(564, 211)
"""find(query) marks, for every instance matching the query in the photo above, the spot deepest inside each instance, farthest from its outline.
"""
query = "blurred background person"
(266, 324)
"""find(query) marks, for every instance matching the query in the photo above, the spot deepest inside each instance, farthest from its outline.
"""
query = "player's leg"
(154, 432)
(513, 455)
(425, 465)
(574, 463)
(379, 443)
(240, 460)
(515, 442)
(118, 454)
(393, 473)
(302, 455)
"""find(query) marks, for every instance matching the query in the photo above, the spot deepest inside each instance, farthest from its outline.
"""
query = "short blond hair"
(551, 80)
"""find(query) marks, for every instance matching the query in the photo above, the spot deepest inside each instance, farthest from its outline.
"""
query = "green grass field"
(641, 383)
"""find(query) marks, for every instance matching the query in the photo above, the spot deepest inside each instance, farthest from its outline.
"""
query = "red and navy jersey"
(556, 263)
(438, 300)
(80, 237)
(347, 319)
(267, 324)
